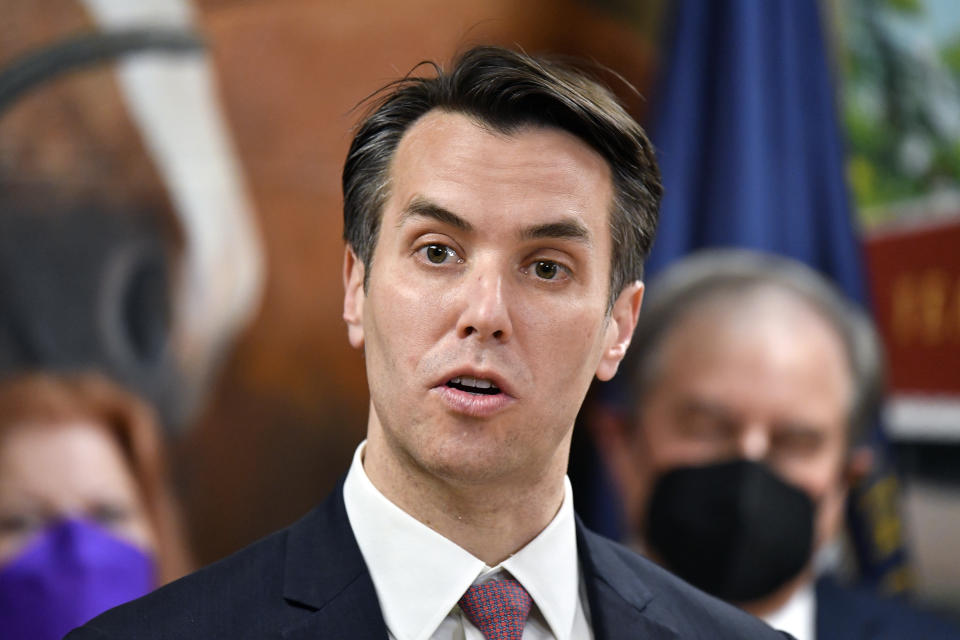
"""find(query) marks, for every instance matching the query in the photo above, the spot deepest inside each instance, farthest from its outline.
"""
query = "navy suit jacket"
(309, 581)
(857, 614)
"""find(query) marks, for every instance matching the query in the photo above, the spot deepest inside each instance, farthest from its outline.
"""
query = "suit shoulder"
(845, 610)
(667, 599)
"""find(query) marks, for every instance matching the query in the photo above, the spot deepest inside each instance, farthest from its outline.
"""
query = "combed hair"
(708, 276)
(506, 90)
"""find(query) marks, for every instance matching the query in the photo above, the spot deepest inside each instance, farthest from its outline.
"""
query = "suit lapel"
(840, 617)
(324, 574)
(618, 597)
(326, 577)
(353, 613)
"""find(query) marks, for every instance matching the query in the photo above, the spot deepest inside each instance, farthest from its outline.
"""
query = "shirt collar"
(420, 575)
(548, 568)
(797, 616)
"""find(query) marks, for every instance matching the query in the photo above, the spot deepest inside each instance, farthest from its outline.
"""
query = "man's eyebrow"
(420, 207)
(564, 229)
(698, 406)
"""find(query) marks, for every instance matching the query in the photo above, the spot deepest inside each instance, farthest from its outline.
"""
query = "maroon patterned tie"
(497, 608)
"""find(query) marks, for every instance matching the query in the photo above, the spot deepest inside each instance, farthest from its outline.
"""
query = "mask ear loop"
(86, 50)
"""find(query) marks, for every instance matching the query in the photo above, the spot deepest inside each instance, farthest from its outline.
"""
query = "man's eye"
(546, 269)
(707, 426)
(438, 253)
(798, 441)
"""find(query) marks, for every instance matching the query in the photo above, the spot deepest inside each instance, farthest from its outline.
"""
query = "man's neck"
(776, 600)
(492, 519)
(760, 607)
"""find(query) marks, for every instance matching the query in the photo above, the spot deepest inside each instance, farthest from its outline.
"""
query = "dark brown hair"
(507, 90)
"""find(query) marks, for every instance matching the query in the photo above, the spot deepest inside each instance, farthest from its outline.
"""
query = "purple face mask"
(71, 572)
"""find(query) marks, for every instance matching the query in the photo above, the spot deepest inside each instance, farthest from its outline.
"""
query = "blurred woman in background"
(86, 517)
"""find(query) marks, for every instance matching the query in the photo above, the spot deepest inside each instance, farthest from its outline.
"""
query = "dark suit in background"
(856, 614)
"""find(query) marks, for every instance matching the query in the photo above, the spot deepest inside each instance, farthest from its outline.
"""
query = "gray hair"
(708, 276)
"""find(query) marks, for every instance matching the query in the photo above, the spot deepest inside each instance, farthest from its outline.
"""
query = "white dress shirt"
(798, 615)
(419, 575)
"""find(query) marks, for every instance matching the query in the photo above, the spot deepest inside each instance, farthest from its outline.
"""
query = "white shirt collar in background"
(797, 616)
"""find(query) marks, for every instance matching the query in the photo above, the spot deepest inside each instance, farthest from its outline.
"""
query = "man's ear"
(623, 319)
(610, 431)
(860, 464)
(353, 297)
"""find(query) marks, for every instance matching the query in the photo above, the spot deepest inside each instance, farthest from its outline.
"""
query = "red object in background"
(915, 287)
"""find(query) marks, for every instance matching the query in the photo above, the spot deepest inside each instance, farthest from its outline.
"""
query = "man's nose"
(754, 442)
(485, 310)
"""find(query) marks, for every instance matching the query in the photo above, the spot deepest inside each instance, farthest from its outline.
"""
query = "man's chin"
(479, 458)
(476, 463)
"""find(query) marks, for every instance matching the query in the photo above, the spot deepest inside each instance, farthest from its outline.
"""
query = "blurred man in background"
(754, 382)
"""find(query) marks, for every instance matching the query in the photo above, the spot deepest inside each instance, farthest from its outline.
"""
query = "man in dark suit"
(752, 382)
(856, 613)
(497, 217)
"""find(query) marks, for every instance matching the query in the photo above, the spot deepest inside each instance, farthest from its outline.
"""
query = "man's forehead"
(757, 352)
(722, 315)
(452, 152)
(461, 133)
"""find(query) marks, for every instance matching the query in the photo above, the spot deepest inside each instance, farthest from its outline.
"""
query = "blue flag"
(748, 140)
(747, 136)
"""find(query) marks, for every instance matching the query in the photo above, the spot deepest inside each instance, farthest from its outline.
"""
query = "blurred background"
(170, 215)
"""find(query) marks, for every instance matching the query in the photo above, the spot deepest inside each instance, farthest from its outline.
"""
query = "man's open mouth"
(480, 386)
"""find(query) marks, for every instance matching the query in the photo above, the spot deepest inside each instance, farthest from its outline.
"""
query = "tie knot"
(497, 608)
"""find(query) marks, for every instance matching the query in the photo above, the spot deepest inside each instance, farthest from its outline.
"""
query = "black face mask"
(732, 529)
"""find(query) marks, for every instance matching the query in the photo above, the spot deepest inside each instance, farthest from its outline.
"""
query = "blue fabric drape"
(747, 136)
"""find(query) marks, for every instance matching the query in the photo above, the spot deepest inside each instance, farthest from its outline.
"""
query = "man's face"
(767, 382)
(485, 315)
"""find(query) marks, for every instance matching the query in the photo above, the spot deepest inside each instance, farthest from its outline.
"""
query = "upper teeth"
(470, 381)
